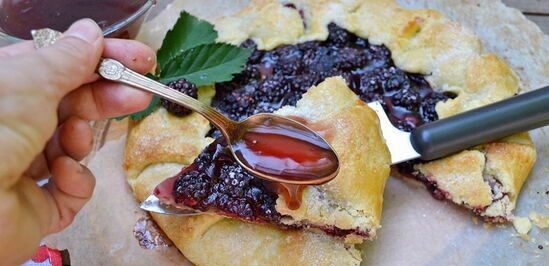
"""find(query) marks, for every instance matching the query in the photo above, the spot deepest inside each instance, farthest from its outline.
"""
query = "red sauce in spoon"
(291, 153)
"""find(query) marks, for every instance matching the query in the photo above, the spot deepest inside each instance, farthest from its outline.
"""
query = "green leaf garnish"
(189, 51)
(188, 32)
(206, 64)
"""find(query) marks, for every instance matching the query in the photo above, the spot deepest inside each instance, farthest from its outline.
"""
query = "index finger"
(17, 49)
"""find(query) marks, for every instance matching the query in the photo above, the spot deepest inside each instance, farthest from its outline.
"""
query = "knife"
(453, 134)
(153, 204)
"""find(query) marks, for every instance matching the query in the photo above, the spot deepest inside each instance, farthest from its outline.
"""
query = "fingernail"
(85, 29)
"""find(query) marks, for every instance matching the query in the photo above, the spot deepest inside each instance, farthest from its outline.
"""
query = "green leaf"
(145, 112)
(206, 64)
(187, 32)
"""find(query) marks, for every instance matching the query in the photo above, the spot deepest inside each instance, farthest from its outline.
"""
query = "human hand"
(47, 97)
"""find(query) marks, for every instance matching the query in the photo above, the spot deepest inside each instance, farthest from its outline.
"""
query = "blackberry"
(366, 85)
(309, 45)
(322, 61)
(361, 43)
(289, 61)
(349, 58)
(396, 80)
(273, 89)
(256, 54)
(427, 108)
(193, 190)
(184, 86)
(338, 36)
(301, 83)
(407, 98)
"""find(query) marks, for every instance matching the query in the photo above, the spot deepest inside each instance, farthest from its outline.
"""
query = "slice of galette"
(348, 206)
(320, 61)
(347, 209)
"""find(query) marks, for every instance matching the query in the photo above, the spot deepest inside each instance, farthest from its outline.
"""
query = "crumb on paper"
(540, 220)
(475, 220)
(487, 225)
(522, 225)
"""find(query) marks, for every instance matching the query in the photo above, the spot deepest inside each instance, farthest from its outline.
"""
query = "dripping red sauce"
(18, 18)
(292, 194)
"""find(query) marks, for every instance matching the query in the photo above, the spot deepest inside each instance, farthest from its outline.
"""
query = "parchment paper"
(417, 229)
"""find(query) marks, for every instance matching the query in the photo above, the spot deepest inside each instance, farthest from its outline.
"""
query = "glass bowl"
(117, 18)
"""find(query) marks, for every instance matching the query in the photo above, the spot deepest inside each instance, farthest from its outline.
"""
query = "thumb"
(70, 62)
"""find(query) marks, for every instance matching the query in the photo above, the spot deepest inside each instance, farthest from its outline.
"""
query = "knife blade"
(154, 204)
(446, 136)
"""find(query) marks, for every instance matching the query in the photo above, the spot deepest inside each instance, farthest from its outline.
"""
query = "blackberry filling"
(184, 86)
(215, 182)
(272, 79)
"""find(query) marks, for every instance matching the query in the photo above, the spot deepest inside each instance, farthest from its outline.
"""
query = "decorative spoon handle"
(114, 70)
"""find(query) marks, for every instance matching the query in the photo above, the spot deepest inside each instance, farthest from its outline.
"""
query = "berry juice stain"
(286, 152)
(19, 17)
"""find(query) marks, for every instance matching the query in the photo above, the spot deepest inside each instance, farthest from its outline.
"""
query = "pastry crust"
(421, 41)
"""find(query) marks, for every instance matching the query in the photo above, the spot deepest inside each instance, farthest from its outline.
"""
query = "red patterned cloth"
(46, 257)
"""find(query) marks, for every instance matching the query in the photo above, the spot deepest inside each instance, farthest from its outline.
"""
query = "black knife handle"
(488, 123)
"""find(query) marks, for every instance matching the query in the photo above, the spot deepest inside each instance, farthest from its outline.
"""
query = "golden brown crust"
(487, 179)
(164, 138)
(460, 178)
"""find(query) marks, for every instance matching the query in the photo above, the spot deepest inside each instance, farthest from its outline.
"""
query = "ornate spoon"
(269, 146)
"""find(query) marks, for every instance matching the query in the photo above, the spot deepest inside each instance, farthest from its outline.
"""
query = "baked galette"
(320, 61)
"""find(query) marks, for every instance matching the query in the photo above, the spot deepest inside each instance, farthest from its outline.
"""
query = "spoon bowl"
(281, 149)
